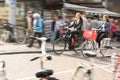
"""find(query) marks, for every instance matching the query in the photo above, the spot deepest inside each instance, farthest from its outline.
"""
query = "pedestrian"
(29, 31)
(94, 23)
(113, 30)
(56, 24)
(103, 28)
(37, 27)
(85, 25)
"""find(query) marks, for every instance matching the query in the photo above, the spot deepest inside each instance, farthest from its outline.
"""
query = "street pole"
(12, 12)
(12, 17)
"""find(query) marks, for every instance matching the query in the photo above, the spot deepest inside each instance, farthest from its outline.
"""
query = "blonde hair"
(78, 14)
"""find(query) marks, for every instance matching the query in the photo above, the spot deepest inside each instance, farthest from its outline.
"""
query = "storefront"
(91, 11)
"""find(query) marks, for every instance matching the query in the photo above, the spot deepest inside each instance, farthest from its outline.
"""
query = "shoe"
(71, 47)
(29, 46)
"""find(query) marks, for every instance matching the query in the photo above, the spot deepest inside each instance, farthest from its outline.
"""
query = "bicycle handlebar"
(34, 58)
(48, 58)
(11, 24)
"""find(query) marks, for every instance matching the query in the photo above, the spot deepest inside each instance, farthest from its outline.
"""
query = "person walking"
(29, 25)
(37, 27)
(94, 23)
(113, 30)
(85, 25)
(103, 28)
(56, 24)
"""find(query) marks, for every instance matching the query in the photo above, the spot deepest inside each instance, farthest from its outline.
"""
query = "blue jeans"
(53, 36)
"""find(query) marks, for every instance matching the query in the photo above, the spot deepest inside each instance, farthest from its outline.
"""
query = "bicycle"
(92, 45)
(85, 72)
(43, 74)
(16, 34)
(2, 70)
(62, 43)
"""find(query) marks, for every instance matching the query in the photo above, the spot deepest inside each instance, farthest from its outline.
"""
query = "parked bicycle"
(16, 33)
(2, 70)
(90, 44)
(44, 74)
(86, 72)
(62, 43)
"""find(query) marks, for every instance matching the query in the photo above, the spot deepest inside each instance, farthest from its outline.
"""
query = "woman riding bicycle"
(103, 29)
(76, 24)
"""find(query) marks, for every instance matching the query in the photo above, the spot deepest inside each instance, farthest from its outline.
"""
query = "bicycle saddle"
(44, 73)
(90, 54)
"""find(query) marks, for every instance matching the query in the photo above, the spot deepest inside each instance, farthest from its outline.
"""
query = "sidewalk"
(20, 66)
(14, 48)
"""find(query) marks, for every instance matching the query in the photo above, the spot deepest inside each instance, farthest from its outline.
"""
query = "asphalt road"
(19, 66)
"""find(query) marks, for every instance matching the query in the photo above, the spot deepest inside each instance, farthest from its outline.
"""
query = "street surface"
(19, 66)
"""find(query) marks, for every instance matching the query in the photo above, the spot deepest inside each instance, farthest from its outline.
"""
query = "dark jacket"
(77, 25)
(53, 25)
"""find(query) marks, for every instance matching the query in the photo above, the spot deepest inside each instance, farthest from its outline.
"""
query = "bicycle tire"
(81, 74)
(59, 46)
(88, 45)
(20, 36)
(104, 49)
(77, 48)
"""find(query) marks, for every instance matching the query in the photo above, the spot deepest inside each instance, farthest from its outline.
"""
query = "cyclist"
(103, 28)
(76, 26)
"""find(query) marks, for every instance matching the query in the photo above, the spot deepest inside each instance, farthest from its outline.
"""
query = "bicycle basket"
(90, 34)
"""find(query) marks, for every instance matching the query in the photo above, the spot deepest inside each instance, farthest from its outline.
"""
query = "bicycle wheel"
(88, 46)
(105, 48)
(20, 36)
(59, 46)
(81, 74)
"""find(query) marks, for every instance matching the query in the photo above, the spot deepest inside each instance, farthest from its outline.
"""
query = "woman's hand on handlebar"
(95, 29)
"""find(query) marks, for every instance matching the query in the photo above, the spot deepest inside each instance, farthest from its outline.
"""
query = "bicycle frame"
(64, 41)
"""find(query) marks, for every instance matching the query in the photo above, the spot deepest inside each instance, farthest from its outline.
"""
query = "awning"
(92, 11)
